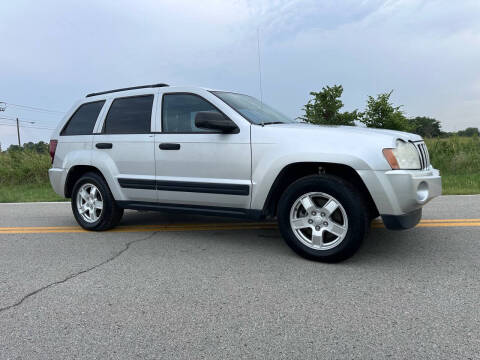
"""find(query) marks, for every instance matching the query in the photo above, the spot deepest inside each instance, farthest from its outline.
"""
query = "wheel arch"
(76, 173)
(298, 170)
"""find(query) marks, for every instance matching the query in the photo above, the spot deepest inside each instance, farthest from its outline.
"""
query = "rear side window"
(83, 120)
(130, 115)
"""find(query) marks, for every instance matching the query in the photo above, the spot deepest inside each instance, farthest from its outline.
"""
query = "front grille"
(424, 156)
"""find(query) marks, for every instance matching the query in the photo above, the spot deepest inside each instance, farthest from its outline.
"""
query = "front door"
(196, 166)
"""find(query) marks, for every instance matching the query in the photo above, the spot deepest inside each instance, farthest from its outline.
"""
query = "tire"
(93, 218)
(311, 238)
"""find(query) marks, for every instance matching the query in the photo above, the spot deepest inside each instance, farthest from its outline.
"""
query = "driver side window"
(179, 110)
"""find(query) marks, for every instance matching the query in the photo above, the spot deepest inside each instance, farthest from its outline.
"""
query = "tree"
(381, 113)
(471, 131)
(40, 147)
(325, 107)
(426, 127)
(14, 148)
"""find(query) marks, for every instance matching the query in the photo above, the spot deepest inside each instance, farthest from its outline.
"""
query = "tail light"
(52, 148)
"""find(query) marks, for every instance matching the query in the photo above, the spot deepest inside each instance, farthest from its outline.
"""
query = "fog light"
(422, 191)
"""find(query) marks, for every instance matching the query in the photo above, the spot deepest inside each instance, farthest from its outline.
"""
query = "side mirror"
(213, 120)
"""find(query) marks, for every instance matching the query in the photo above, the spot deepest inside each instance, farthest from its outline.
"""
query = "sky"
(54, 52)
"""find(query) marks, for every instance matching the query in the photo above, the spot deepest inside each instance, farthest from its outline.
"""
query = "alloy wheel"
(319, 221)
(89, 202)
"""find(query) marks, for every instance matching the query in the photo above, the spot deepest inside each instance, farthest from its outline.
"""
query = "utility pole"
(18, 132)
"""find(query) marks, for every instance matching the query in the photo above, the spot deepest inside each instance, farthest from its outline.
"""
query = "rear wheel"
(93, 204)
(323, 218)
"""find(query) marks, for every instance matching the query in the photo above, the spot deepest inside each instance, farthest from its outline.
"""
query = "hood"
(379, 136)
(358, 147)
(340, 129)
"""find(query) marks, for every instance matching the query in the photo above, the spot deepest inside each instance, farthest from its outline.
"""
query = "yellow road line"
(448, 220)
(140, 226)
(438, 224)
(214, 226)
(439, 221)
(452, 224)
(146, 228)
(39, 228)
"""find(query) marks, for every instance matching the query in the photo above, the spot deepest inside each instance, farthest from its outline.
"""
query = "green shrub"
(455, 155)
(24, 167)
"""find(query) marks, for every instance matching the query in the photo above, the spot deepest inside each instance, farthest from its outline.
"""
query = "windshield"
(252, 109)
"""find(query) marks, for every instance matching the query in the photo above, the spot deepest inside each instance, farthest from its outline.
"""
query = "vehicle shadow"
(381, 246)
(134, 217)
(415, 247)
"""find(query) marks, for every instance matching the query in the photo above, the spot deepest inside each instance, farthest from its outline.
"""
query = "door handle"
(169, 146)
(103, 145)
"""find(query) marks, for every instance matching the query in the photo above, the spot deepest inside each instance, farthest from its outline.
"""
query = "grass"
(460, 184)
(455, 155)
(458, 159)
(24, 177)
(24, 167)
(24, 174)
(28, 192)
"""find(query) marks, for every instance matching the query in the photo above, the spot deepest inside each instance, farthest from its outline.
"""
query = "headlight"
(404, 156)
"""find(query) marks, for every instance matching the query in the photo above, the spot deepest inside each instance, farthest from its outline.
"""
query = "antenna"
(259, 68)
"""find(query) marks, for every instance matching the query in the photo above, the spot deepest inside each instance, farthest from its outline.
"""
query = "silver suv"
(185, 149)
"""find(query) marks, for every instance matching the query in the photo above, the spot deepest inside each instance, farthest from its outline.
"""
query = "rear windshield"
(83, 120)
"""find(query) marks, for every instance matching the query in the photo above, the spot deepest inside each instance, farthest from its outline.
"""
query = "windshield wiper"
(273, 122)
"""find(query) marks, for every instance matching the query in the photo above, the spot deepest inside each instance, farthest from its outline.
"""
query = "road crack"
(74, 275)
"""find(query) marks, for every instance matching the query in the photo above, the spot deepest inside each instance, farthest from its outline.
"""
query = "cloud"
(427, 51)
(400, 45)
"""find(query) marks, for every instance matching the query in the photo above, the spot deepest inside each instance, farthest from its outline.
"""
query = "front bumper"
(402, 222)
(402, 193)
(57, 178)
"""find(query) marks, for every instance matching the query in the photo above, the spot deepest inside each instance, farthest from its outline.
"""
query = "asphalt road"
(195, 289)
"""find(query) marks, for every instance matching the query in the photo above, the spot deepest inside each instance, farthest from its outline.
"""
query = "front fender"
(265, 170)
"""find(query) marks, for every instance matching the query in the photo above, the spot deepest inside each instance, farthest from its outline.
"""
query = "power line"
(27, 120)
(23, 126)
(34, 108)
(15, 119)
(28, 126)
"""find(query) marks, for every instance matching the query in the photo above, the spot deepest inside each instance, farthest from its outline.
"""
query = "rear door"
(196, 166)
(123, 148)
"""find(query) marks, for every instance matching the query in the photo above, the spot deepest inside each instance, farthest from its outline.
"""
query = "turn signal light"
(392, 160)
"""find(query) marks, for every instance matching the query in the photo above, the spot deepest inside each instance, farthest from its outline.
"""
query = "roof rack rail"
(128, 88)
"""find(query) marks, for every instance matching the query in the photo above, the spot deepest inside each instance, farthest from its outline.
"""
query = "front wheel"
(322, 218)
(93, 204)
